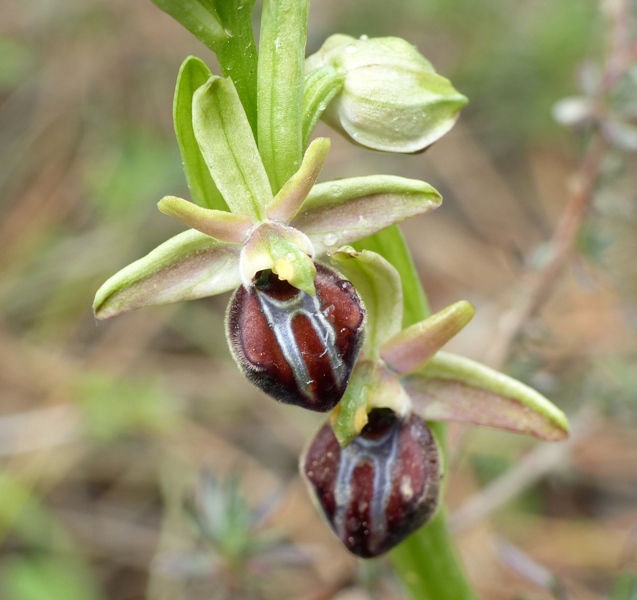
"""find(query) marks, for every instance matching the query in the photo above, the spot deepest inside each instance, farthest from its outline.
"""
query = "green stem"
(280, 87)
(426, 562)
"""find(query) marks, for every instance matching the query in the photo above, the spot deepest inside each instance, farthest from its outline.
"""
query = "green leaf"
(340, 212)
(321, 85)
(229, 149)
(197, 16)
(292, 195)
(411, 348)
(187, 266)
(378, 284)
(192, 75)
(219, 224)
(280, 87)
(453, 388)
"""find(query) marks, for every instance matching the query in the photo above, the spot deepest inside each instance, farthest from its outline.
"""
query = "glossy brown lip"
(382, 487)
(297, 348)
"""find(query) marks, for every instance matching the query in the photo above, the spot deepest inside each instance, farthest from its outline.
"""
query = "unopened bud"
(392, 98)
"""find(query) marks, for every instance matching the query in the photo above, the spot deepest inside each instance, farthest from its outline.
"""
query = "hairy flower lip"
(381, 488)
(297, 348)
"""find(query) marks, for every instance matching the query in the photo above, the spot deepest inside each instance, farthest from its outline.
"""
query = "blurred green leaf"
(135, 168)
(17, 61)
(114, 407)
(47, 578)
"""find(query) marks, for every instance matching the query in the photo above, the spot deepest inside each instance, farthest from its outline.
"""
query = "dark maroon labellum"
(298, 348)
(382, 487)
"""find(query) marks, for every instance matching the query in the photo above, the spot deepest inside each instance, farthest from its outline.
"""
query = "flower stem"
(426, 562)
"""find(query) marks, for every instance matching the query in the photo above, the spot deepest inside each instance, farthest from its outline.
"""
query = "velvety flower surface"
(379, 489)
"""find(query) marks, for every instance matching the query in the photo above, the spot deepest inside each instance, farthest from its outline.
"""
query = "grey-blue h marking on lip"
(280, 315)
(381, 453)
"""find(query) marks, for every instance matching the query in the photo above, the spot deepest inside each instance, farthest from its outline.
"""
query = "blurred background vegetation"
(135, 460)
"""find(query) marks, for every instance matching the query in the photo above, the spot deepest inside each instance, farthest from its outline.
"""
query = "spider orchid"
(295, 328)
(374, 468)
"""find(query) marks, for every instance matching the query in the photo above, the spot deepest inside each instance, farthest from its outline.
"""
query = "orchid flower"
(374, 468)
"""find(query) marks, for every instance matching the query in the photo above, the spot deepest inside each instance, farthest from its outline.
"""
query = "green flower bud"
(392, 99)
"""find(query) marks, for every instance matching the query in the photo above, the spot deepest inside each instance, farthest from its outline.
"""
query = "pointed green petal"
(453, 388)
(378, 284)
(292, 195)
(219, 224)
(229, 149)
(340, 212)
(412, 348)
(189, 265)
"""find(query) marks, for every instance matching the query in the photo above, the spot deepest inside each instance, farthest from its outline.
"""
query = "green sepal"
(379, 286)
(197, 16)
(340, 212)
(280, 87)
(370, 386)
(188, 266)
(321, 85)
(192, 75)
(292, 195)
(229, 148)
(410, 349)
(219, 224)
(453, 388)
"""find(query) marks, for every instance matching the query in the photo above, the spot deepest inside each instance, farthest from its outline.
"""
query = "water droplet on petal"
(330, 239)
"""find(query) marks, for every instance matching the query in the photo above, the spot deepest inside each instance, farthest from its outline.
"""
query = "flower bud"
(298, 348)
(382, 487)
(392, 99)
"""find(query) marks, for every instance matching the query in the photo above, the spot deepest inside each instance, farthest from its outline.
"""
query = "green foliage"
(114, 407)
(53, 578)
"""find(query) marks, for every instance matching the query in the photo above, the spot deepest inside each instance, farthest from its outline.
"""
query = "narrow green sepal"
(286, 251)
(198, 17)
(321, 85)
(340, 212)
(188, 266)
(378, 284)
(292, 195)
(219, 224)
(280, 87)
(229, 148)
(453, 388)
(411, 349)
(192, 75)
